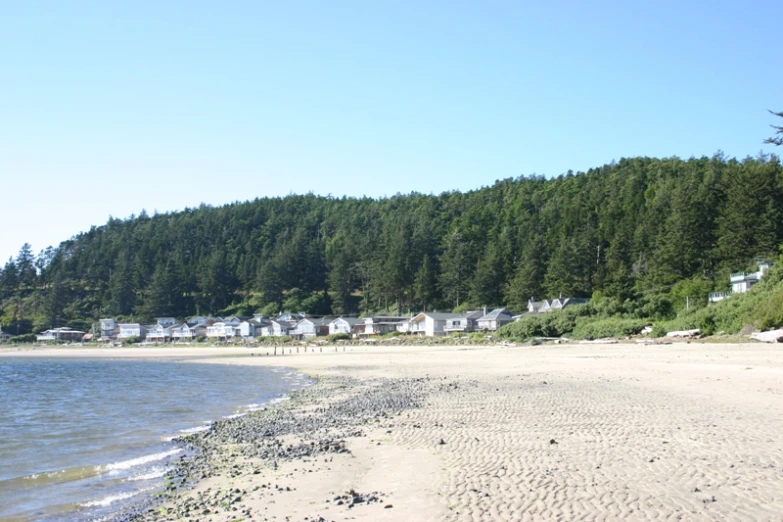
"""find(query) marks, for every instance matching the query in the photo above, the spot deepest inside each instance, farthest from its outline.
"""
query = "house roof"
(496, 314)
(353, 321)
(438, 316)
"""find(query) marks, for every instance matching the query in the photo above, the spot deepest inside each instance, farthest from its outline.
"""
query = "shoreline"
(496, 433)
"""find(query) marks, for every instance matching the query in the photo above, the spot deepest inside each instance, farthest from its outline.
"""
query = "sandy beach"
(565, 432)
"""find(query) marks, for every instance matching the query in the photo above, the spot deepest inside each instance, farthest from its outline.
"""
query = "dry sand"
(585, 432)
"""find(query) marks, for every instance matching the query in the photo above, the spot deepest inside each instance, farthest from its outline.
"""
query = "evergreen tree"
(163, 298)
(57, 300)
(425, 287)
(216, 281)
(454, 269)
(122, 288)
(529, 275)
(25, 266)
(486, 287)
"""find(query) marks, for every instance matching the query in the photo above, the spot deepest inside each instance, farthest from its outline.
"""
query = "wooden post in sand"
(275, 349)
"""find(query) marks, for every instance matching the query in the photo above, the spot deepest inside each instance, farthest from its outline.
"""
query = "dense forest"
(638, 232)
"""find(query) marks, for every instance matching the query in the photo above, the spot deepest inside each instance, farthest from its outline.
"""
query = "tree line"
(627, 230)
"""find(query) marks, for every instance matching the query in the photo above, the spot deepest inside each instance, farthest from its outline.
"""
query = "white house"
(131, 330)
(60, 334)
(221, 330)
(181, 332)
(346, 325)
(382, 324)
(276, 328)
(165, 321)
(405, 327)
(252, 327)
(430, 323)
(741, 282)
(158, 333)
(495, 319)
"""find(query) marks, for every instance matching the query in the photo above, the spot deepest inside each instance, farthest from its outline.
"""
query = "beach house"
(276, 328)
(158, 333)
(311, 327)
(131, 331)
(741, 282)
(222, 331)
(187, 331)
(430, 323)
(382, 324)
(495, 319)
(553, 305)
(109, 329)
(346, 325)
(466, 322)
(60, 334)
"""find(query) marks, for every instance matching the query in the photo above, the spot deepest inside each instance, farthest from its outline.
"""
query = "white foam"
(151, 474)
(128, 464)
(197, 429)
(111, 499)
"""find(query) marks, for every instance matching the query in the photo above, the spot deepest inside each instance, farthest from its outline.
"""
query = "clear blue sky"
(109, 108)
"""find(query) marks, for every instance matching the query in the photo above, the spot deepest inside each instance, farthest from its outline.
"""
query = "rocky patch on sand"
(310, 428)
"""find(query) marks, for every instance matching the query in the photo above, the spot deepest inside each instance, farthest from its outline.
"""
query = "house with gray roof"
(467, 322)
(495, 319)
(553, 305)
(311, 327)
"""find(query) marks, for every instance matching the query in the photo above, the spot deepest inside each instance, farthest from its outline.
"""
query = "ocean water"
(82, 438)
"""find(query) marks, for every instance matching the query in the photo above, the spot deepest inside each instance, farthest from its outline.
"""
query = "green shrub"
(590, 328)
(130, 340)
(24, 338)
(658, 331)
(339, 337)
(551, 324)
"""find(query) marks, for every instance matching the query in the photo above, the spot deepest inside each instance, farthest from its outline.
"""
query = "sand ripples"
(533, 448)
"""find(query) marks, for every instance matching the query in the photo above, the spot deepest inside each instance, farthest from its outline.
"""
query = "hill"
(640, 232)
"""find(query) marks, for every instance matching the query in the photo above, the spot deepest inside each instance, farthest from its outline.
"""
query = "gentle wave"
(51, 477)
(132, 463)
(186, 432)
(111, 499)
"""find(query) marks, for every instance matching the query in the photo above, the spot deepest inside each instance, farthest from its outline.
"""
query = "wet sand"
(582, 432)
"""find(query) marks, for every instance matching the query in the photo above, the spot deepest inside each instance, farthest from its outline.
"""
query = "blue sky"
(109, 108)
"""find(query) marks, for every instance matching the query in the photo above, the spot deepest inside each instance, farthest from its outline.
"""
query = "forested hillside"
(634, 229)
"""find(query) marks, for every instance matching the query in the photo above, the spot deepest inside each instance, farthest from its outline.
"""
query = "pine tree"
(122, 288)
(454, 269)
(529, 274)
(425, 289)
(486, 287)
